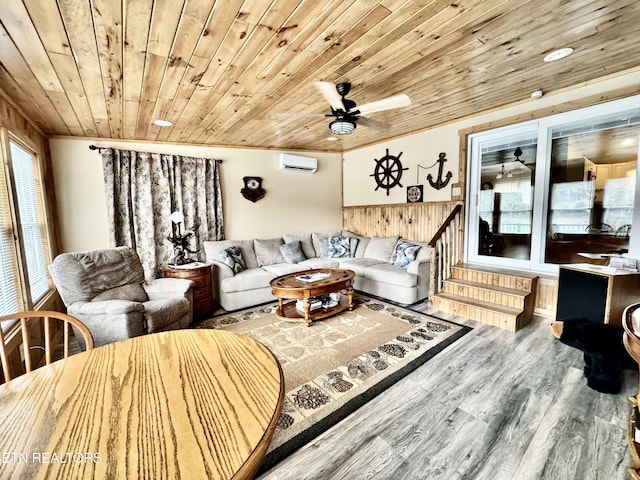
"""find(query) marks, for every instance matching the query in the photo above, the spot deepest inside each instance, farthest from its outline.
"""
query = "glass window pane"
(592, 188)
(505, 201)
(31, 219)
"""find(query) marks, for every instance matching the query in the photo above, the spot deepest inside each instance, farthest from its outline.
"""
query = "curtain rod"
(99, 149)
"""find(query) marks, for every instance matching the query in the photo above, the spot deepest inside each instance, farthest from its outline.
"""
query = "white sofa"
(381, 267)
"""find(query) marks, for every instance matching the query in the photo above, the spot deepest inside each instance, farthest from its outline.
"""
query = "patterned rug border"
(275, 456)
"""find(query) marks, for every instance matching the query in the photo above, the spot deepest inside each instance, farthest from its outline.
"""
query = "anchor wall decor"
(440, 182)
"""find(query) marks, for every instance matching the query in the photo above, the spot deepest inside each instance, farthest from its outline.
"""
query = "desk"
(185, 404)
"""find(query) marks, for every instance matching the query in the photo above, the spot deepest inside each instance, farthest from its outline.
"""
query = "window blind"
(10, 293)
(31, 219)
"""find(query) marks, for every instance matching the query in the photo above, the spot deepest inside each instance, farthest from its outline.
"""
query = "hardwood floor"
(495, 405)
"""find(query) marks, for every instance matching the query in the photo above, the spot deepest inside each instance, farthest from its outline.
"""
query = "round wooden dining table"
(187, 404)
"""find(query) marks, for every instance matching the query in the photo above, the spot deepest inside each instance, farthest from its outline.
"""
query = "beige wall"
(423, 148)
(293, 203)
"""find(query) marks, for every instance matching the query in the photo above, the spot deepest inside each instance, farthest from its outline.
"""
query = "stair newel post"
(443, 254)
(432, 273)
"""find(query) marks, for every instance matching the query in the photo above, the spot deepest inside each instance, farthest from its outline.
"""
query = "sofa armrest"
(163, 287)
(419, 267)
(105, 307)
(221, 270)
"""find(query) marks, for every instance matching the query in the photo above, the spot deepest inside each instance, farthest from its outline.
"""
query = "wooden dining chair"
(46, 318)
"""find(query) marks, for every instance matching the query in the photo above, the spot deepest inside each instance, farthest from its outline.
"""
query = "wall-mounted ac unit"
(297, 163)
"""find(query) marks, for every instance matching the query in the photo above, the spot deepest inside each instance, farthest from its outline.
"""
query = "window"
(24, 247)
(561, 189)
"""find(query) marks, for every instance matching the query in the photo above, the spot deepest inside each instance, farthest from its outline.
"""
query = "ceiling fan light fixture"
(342, 126)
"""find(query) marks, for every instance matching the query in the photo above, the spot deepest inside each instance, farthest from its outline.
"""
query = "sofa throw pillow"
(321, 242)
(292, 252)
(305, 242)
(232, 258)
(132, 292)
(268, 251)
(342, 247)
(362, 242)
(404, 253)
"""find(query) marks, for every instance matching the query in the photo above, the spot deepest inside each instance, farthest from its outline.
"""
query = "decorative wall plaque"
(415, 194)
(253, 188)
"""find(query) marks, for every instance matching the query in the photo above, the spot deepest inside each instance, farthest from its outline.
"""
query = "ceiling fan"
(347, 114)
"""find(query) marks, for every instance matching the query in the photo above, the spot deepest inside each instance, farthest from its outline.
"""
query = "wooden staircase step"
(499, 295)
(488, 313)
(497, 277)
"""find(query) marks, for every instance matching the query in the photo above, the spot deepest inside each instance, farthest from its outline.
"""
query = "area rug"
(339, 363)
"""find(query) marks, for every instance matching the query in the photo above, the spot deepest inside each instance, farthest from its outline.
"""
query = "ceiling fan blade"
(329, 92)
(394, 101)
(375, 124)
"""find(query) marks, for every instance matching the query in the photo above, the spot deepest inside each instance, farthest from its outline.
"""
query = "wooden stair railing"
(446, 250)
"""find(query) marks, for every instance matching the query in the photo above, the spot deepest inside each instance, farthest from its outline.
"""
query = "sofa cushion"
(284, 268)
(268, 251)
(232, 257)
(381, 248)
(248, 279)
(292, 252)
(305, 241)
(358, 265)
(212, 250)
(424, 254)
(320, 263)
(321, 242)
(387, 273)
(404, 253)
(133, 292)
(362, 242)
(342, 247)
(160, 313)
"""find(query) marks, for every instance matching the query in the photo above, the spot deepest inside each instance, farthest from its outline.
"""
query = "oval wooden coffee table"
(307, 284)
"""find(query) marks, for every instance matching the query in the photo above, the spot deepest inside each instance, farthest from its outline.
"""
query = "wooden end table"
(307, 284)
(200, 275)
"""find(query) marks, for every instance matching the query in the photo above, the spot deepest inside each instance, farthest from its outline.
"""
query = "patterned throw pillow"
(342, 247)
(404, 254)
(232, 257)
(292, 252)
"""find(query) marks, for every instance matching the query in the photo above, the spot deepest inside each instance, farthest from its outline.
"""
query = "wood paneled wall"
(414, 221)
(546, 296)
(17, 124)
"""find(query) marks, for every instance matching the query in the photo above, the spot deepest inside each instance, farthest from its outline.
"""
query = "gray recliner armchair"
(106, 289)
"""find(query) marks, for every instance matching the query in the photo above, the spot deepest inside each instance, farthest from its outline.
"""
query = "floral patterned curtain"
(143, 189)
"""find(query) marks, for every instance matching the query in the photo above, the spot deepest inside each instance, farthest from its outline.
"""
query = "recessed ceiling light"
(536, 94)
(163, 123)
(558, 54)
(332, 139)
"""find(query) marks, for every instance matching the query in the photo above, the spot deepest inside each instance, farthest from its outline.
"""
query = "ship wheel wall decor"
(388, 171)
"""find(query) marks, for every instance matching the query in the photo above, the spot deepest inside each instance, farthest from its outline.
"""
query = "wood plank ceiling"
(241, 73)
